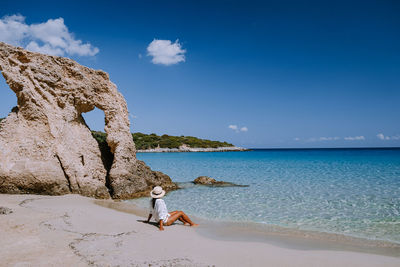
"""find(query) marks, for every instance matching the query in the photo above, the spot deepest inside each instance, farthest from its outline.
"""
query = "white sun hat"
(157, 192)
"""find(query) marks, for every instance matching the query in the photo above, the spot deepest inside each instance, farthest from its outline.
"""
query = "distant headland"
(167, 143)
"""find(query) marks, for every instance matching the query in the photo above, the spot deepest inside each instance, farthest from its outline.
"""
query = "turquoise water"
(347, 191)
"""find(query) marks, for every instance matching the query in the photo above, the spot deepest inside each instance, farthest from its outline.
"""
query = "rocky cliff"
(46, 146)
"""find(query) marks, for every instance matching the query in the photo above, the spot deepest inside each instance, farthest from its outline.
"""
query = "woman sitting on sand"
(160, 212)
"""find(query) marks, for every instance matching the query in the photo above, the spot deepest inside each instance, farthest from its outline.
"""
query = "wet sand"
(279, 236)
(72, 230)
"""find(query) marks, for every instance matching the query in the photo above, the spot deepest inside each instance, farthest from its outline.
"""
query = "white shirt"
(159, 211)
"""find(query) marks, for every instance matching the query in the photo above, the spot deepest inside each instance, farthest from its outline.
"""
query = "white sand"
(73, 231)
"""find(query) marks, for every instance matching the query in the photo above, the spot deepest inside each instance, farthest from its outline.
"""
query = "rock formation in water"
(208, 181)
(46, 146)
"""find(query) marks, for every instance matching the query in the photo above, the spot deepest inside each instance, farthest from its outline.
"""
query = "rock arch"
(45, 144)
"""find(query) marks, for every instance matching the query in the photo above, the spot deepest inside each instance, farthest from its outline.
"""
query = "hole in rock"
(8, 99)
(95, 121)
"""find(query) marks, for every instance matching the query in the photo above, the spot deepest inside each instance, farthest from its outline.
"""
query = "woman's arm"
(161, 225)
(148, 219)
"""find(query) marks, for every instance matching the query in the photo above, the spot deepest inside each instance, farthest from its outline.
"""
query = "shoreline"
(281, 236)
(192, 149)
(73, 230)
(297, 239)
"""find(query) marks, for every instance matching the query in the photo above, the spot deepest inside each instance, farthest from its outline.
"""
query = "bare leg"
(177, 216)
(180, 218)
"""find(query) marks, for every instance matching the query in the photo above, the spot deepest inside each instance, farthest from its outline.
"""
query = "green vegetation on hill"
(146, 141)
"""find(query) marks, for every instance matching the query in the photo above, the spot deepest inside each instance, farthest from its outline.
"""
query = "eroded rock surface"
(5, 211)
(46, 146)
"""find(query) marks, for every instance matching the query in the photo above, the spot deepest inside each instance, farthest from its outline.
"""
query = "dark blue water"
(354, 192)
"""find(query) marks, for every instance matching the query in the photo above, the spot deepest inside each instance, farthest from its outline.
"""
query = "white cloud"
(296, 139)
(329, 138)
(380, 136)
(50, 37)
(45, 49)
(13, 29)
(165, 52)
(237, 129)
(233, 127)
(383, 137)
(354, 138)
(323, 138)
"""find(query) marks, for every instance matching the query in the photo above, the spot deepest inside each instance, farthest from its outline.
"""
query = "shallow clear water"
(347, 191)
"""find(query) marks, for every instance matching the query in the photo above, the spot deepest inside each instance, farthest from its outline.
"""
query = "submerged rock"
(208, 181)
(46, 146)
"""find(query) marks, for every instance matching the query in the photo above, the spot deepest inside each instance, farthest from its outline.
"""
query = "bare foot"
(194, 225)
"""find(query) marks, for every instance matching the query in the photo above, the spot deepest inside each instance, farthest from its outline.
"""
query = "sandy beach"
(72, 230)
(108, 107)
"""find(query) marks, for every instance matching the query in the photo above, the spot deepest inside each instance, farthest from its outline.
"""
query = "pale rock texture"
(46, 146)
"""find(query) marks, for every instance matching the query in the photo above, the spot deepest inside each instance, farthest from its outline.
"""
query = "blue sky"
(291, 73)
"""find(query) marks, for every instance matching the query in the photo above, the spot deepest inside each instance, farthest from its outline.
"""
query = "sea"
(352, 192)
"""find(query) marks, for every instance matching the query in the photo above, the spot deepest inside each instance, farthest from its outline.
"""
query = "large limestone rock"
(45, 144)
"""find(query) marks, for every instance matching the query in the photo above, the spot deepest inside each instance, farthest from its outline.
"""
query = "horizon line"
(321, 148)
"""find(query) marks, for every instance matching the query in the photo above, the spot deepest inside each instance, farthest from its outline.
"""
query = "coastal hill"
(152, 141)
